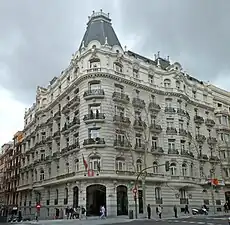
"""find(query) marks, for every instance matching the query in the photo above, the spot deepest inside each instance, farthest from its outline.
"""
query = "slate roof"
(99, 28)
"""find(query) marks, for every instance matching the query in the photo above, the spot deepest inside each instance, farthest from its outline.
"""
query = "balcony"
(120, 97)
(49, 121)
(159, 201)
(48, 158)
(182, 112)
(183, 201)
(138, 103)
(74, 146)
(187, 154)
(198, 120)
(155, 128)
(70, 148)
(139, 147)
(171, 131)
(65, 129)
(214, 159)
(57, 135)
(94, 143)
(173, 151)
(75, 123)
(202, 157)
(75, 101)
(94, 118)
(57, 115)
(139, 124)
(125, 144)
(200, 138)
(154, 108)
(94, 94)
(183, 132)
(157, 150)
(64, 176)
(170, 110)
(209, 123)
(211, 141)
(121, 121)
(56, 155)
(66, 108)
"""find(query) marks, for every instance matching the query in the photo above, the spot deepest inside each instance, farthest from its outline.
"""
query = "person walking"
(102, 211)
(159, 210)
(175, 211)
(149, 211)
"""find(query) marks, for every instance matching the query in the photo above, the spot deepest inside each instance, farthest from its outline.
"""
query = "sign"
(38, 206)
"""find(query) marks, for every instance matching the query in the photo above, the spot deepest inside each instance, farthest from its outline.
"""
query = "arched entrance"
(75, 197)
(122, 200)
(95, 198)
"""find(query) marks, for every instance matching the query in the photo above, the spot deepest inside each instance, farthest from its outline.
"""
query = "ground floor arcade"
(116, 196)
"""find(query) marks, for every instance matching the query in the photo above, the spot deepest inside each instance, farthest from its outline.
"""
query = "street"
(201, 220)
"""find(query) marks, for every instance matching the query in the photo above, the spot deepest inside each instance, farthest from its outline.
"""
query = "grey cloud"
(38, 37)
(194, 33)
(37, 40)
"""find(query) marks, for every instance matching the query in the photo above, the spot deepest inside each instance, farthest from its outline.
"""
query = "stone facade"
(122, 112)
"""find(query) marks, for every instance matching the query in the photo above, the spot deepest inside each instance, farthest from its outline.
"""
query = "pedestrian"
(67, 210)
(82, 213)
(102, 211)
(36, 216)
(175, 211)
(186, 209)
(226, 207)
(159, 209)
(149, 211)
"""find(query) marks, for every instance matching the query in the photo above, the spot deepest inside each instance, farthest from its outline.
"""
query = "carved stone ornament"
(136, 66)
(150, 71)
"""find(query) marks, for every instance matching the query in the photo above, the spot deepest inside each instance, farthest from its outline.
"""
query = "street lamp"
(136, 182)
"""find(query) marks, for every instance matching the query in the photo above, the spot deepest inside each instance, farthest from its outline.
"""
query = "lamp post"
(135, 190)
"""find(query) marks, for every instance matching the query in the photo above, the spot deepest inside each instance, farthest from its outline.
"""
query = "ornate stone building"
(112, 113)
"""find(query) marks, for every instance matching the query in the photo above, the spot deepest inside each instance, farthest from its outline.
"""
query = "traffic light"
(167, 166)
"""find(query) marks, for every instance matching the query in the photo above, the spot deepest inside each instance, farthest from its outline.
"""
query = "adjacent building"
(110, 114)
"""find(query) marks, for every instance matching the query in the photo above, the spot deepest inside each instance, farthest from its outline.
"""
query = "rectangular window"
(138, 140)
(170, 123)
(171, 144)
(150, 78)
(182, 145)
(94, 109)
(120, 137)
(119, 111)
(154, 142)
(168, 103)
(94, 86)
(94, 133)
(119, 88)
(181, 124)
(135, 73)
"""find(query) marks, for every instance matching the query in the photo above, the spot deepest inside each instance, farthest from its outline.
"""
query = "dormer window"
(150, 79)
(118, 67)
(167, 83)
(135, 73)
(94, 63)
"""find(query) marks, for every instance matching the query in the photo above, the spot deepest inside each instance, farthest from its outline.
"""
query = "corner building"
(123, 112)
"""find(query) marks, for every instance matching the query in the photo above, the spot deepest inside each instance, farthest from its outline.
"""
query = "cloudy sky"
(38, 37)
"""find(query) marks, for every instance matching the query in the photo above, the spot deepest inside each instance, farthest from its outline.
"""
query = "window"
(153, 120)
(178, 85)
(219, 119)
(181, 124)
(120, 137)
(173, 169)
(184, 170)
(76, 138)
(170, 123)
(67, 142)
(76, 165)
(171, 144)
(138, 140)
(42, 154)
(225, 120)
(154, 143)
(95, 163)
(194, 94)
(35, 175)
(56, 197)
(94, 133)
(168, 103)
(139, 165)
(135, 73)
(119, 111)
(205, 97)
(66, 195)
(167, 83)
(94, 109)
(42, 175)
(201, 172)
(120, 164)
(119, 88)
(49, 171)
(182, 193)
(158, 193)
(95, 86)
(191, 170)
(150, 78)
(182, 145)
(155, 167)
(67, 167)
(118, 67)
(94, 63)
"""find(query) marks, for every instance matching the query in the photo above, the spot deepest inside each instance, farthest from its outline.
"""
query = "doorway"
(75, 197)
(95, 198)
(122, 200)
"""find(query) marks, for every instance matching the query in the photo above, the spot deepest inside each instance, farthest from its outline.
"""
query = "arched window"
(76, 165)
(157, 193)
(67, 167)
(184, 170)
(95, 163)
(155, 167)
(42, 175)
(167, 83)
(139, 165)
(56, 197)
(191, 170)
(120, 164)
(173, 169)
(178, 85)
(66, 194)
